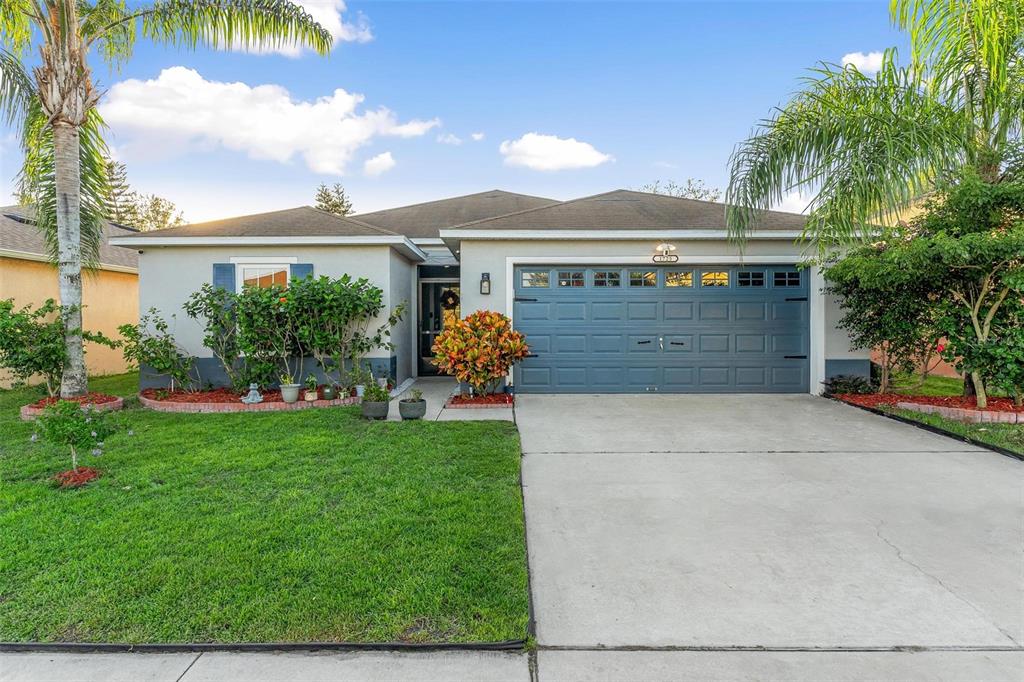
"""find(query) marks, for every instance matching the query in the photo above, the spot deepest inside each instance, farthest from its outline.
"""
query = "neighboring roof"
(19, 238)
(624, 210)
(424, 221)
(304, 221)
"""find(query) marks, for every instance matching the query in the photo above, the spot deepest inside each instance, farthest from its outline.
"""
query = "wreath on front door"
(449, 300)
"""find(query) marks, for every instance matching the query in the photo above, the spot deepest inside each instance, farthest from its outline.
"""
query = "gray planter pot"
(329, 392)
(412, 409)
(372, 410)
(290, 392)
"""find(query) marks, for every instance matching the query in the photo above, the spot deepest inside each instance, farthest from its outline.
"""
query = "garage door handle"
(532, 355)
(795, 357)
(640, 343)
(676, 343)
(797, 298)
(518, 299)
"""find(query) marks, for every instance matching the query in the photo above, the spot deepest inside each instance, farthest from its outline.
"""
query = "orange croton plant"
(479, 350)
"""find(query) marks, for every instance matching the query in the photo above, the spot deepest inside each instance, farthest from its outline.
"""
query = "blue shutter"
(302, 270)
(224, 276)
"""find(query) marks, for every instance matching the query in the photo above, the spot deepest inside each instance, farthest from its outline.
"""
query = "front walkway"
(436, 391)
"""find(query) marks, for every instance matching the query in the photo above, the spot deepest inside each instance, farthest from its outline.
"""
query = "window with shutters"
(262, 275)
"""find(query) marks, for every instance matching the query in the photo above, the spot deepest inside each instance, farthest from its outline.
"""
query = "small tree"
(150, 343)
(216, 308)
(479, 350)
(895, 318)
(267, 334)
(693, 189)
(32, 342)
(333, 199)
(65, 423)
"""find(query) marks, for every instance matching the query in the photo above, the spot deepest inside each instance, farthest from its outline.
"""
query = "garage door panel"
(671, 339)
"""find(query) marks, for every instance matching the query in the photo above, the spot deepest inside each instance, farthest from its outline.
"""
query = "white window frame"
(242, 262)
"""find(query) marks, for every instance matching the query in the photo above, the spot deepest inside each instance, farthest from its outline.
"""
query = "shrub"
(848, 383)
(216, 308)
(157, 349)
(479, 350)
(267, 334)
(32, 342)
(375, 393)
(65, 423)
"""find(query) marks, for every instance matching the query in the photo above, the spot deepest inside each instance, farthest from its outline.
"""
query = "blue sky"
(646, 90)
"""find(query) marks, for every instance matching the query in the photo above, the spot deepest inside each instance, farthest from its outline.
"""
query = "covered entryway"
(678, 329)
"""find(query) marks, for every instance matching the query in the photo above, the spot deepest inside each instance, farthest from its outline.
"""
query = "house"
(618, 292)
(109, 294)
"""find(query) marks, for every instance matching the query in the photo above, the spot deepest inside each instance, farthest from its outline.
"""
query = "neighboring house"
(109, 294)
(619, 292)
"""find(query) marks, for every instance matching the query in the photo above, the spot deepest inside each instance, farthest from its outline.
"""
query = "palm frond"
(227, 23)
(866, 146)
(16, 89)
(37, 186)
(107, 25)
(16, 24)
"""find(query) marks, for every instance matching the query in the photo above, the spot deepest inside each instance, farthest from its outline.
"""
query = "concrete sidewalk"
(436, 391)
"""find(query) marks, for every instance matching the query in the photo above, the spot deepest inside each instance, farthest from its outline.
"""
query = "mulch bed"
(76, 478)
(491, 400)
(217, 395)
(87, 399)
(955, 401)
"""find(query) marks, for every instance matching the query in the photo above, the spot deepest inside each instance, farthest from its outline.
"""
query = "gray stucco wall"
(169, 275)
(403, 279)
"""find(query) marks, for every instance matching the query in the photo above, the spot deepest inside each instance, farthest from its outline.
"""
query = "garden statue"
(253, 396)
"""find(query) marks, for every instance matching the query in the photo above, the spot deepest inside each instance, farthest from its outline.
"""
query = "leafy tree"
(895, 317)
(215, 307)
(150, 343)
(333, 199)
(65, 170)
(67, 423)
(693, 189)
(869, 146)
(965, 257)
(142, 211)
(32, 342)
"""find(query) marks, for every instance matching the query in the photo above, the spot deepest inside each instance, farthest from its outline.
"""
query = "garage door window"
(787, 279)
(717, 278)
(534, 279)
(607, 278)
(750, 279)
(571, 278)
(638, 278)
(675, 278)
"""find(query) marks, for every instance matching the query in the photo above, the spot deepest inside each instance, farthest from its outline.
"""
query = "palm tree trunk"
(68, 182)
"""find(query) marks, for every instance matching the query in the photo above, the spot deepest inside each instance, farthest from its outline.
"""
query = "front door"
(439, 307)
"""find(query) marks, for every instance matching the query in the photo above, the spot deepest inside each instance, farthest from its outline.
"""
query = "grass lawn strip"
(275, 527)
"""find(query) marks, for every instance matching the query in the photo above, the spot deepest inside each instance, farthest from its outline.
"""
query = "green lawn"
(300, 526)
(1006, 436)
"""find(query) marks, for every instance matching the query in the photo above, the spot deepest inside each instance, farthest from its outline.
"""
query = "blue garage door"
(635, 329)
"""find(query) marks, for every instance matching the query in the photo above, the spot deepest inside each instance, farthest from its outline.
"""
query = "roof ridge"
(353, 220)
(459, 196)
(531, 210)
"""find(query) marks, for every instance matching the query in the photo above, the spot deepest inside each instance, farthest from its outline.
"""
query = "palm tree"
(867, 147)
(55, 104)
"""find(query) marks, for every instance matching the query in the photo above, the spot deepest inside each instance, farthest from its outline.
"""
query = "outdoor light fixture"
(485, 283)
(665, 254)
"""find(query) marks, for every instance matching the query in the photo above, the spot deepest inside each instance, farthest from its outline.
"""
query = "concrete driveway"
(784, 522)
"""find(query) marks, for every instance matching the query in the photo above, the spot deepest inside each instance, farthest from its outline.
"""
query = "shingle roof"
(19, 233)
(304, 221)
(423, 221)
(629, 210)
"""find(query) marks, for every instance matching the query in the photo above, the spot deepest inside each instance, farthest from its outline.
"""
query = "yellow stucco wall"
(110, 299)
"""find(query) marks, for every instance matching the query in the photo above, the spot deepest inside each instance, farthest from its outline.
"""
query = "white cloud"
(449, 138)
(379, 164)
(868, 64)
(330, 15)
(477, 136)
(180, 111)
(794, 202)
(550, 153)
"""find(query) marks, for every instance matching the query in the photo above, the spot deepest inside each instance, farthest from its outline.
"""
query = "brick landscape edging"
(30, 412)
(962, 414)
(171, 406)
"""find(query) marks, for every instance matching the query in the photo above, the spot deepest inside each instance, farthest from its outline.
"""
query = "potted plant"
(329, 392)
(311, 392)
(413, 407)
(289, 389)
(360, 380)
(375, 402)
